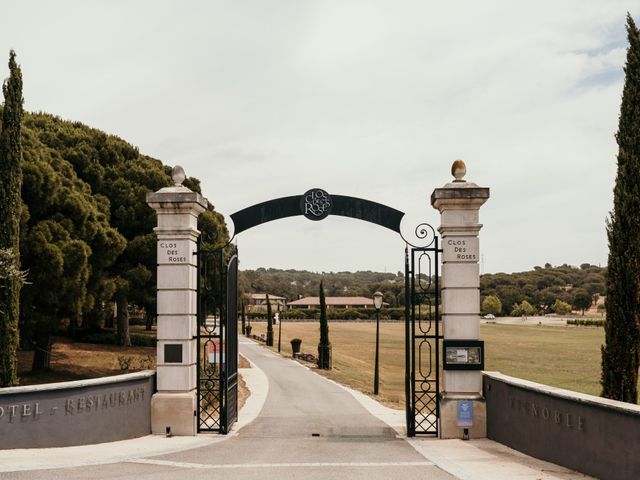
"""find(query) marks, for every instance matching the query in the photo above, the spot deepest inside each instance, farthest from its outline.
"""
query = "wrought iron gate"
(422, 337)
(230, 401)
(217, 340)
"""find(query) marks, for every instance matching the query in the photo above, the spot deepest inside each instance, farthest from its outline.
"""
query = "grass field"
(77, 361)
(566, 357)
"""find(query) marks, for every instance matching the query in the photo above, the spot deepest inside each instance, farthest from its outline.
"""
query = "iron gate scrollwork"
(217, 340)
(423, 336)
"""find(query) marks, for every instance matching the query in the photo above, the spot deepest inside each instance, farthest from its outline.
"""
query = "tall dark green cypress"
(269, 323)
(10, 200)
(622, 329)
(324, 347)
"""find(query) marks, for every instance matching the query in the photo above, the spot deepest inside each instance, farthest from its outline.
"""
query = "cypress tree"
(622, 331)
(269, 324)
(10, 200)
(324, 347)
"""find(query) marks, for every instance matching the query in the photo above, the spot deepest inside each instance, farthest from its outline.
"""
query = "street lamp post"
(377, 303)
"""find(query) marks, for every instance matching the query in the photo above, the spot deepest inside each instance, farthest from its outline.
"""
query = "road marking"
(166, 463)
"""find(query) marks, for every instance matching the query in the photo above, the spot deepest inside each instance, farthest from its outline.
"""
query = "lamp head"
(377, 300)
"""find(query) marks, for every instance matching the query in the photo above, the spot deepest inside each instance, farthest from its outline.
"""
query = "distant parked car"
(489, 316)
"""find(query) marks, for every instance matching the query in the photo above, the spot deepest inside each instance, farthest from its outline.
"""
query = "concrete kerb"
(126, 450)
(258, 385)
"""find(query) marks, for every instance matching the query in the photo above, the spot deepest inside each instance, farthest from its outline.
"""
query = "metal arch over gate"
(217, 372)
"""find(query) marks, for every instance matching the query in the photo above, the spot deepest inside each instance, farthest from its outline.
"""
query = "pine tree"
(324, 347)
(622, 331)
(269, 324)
(10, 186)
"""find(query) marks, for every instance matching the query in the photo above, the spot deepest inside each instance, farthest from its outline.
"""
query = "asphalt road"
(309, 428)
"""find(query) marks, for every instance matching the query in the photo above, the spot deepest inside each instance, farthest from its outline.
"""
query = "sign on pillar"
(174, 404)
(462, 406)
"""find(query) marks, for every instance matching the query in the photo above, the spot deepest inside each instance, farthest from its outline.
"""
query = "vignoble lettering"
(562, 419)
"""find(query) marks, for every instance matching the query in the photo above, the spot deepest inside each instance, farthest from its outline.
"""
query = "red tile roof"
(263, 296)
(333, 301)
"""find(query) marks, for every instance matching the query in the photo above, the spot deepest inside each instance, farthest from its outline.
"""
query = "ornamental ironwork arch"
(217, 335)
(316, 204)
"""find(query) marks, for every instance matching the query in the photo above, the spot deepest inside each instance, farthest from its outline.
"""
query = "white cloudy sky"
(374, 99)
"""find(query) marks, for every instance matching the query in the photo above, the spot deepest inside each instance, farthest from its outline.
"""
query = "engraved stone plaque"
(174, 252)
(461, 249)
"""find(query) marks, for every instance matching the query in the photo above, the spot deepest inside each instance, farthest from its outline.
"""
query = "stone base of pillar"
(449, 417)
(174, 410)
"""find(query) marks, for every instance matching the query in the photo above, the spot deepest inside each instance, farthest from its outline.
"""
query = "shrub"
(139, 340)
(125, 362)
(147, 363)
(101, 338)
(586, 322)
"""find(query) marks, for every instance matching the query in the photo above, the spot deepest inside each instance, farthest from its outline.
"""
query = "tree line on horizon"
(542, 287)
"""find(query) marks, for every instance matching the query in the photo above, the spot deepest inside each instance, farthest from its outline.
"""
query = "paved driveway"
(309, 428)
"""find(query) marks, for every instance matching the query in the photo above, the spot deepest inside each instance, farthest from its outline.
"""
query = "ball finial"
(178, 175)
(459, 170)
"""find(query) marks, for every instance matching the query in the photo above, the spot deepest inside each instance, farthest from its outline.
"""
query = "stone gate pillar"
(459, 203)
(174, 404)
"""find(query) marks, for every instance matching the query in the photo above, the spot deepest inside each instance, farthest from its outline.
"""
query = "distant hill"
(543, 285)
(540, 286)
(294, 284)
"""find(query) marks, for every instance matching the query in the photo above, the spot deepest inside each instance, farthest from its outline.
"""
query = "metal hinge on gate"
(195, 413)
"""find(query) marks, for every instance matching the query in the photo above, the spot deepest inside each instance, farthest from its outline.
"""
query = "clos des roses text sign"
(461, 249)
(174, 251)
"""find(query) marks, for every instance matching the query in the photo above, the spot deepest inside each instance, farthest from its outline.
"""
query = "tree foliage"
(621, 352)
(581, 299)
(523, 309)
(10, 185)
(269, 323)
(492, 304)
(561, 308)
(87, 230)
(292, 284)
(541, 287)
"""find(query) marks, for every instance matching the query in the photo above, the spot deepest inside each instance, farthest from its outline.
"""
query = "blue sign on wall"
(465, 413)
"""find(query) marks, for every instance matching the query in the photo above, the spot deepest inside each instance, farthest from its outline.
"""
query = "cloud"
(366, 98)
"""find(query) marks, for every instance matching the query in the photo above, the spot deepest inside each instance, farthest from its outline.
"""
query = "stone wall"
(589, 434)
(76, 413)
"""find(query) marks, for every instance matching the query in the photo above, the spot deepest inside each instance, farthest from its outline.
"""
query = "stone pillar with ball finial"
(177, 209)
(459, 204)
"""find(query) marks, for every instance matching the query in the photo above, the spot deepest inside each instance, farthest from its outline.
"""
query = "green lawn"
(567, 357)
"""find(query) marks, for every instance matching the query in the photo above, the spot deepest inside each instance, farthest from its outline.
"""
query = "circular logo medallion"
(316, 204)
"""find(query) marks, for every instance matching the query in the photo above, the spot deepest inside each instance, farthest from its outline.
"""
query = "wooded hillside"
(540, 287)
